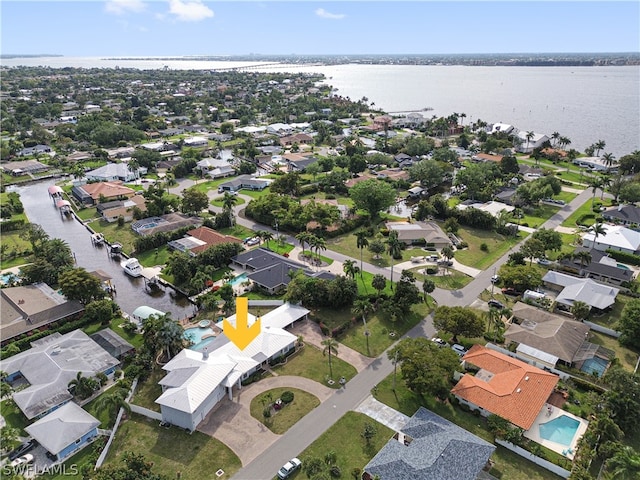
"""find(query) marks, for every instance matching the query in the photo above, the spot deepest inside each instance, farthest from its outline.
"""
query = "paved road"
(307, 430)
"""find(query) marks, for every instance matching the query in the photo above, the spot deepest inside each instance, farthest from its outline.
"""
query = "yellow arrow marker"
(242, 334)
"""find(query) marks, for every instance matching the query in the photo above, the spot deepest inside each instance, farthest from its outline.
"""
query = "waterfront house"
(29, 307)
(112, 343)
(92, 193)
(65, 431)
(504, 386)
(601, 267)
(430, 447)
(199, 239)
(24, 167)
(112, 172)
(594, 163)
(243, 182)
(35, 150)
(111, 211)
(49, 365)
(527, 145)
(197, 380)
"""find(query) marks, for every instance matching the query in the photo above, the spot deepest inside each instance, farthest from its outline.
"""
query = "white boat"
(132, 267)
(97, 238)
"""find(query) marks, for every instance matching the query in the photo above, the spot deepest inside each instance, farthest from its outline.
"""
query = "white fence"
(146, 412)
(552, 467)
(601, 329)
(105, 450)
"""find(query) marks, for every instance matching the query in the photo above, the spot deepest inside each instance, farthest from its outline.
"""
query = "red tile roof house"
(504, 386)
(201, 238)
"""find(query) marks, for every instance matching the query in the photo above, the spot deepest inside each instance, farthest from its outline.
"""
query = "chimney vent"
(205, 353)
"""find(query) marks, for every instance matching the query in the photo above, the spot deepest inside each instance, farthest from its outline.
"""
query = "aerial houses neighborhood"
(246, 275)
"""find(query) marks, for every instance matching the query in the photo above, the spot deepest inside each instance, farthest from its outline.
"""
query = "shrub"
(287, 397)
(335, 471)
(484, 247)
(432, 270)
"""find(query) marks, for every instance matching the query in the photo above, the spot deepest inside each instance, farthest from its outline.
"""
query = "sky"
(201, 27)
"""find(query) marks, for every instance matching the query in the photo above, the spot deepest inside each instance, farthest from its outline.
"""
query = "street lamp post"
(492, 281)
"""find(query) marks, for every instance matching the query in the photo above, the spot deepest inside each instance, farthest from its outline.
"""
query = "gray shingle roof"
(438, 450)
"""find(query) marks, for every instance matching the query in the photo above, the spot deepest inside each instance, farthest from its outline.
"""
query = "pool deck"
(548, 413)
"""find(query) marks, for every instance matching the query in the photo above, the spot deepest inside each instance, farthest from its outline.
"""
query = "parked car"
(459, 349)
(22, 449)
(544, 262)
(289, 468)
(25, 459)
(253, 241)
(495, 278)
(445, 263)
(438, 341)
(495, 304)
(431, 258)
(511, 291)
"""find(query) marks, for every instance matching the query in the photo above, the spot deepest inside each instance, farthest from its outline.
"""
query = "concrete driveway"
(231, 421)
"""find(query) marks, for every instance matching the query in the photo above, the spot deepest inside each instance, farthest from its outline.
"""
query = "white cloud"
(189, 11)
(322, 13)
(120, 7)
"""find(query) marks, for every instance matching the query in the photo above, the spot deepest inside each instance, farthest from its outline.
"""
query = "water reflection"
(131, 292)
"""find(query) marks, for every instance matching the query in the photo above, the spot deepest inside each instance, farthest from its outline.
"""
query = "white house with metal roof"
(198, 379)
(616, 237)
(573, 289)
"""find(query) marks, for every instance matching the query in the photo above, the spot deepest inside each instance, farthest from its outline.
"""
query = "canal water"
(130, 292)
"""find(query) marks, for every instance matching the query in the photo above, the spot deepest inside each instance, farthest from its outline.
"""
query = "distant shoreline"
(502, 59)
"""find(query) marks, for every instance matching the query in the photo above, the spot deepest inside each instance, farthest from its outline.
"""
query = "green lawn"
(107, 419)
(508, 465)
(14, 250)
(538, 215)
(345, 440)
(87, 213)
(383, 332)
(149, 390)
(135, 339)
(74, 465)
(566, 196)
(309, 362)
(628, 357)
(217, 202)
(584, 209)
(473, 256)
(173, 451)
(449, 280)
(237, 231)
(114, 233)
(14, 416)
(283, 419)
(364, 283)
(157, 256)
(611, 318)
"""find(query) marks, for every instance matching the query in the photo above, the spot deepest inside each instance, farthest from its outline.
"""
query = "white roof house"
(535, 141)
(594, 294)
(197, 380)
(594, 163)
(616, 237)
(114, 171)
(492, 207)
(50, 364)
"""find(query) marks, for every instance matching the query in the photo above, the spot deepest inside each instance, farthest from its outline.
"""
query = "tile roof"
(107, 189)
(210, 237)
(437, 449)
(505, 386)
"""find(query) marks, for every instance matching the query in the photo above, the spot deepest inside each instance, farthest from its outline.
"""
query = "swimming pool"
(238, 280)
(595, 365)
(623, 266)
(560, 430)
(8, 278)
(195, 334)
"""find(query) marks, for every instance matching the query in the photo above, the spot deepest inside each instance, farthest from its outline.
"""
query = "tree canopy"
(426, 368)
(458, 321)
(630, 323)
(373, 196)
(78, 284)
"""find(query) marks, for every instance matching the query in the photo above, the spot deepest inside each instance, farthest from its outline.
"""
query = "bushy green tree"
(373, 196)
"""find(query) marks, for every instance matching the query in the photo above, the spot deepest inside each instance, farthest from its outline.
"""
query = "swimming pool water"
(7, 278)
(239, 279)
(595, 365)
(195, 334)
(560, 430)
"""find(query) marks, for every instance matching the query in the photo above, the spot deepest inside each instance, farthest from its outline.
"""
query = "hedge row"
(12, 225)
(624, 257)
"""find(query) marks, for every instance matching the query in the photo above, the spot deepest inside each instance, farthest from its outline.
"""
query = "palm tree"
(349, 267)
(394, 248)
(330, 348)
(266, 237)
(529, 136)
(113, 401)
(317, 243)
(599, 145)
(378, 282)
(228, 202)
(583, 256)
(597, 229)
(555, 136)
(363, 307)
(361, 243)
(595, 184)
(83, 386)
(428, 286)
(134, 166)
(580, 310)
(609, 160)
(303, 238)
(625, 464)
(448, 253)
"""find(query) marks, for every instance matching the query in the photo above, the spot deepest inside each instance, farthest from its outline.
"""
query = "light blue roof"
(145, 312)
